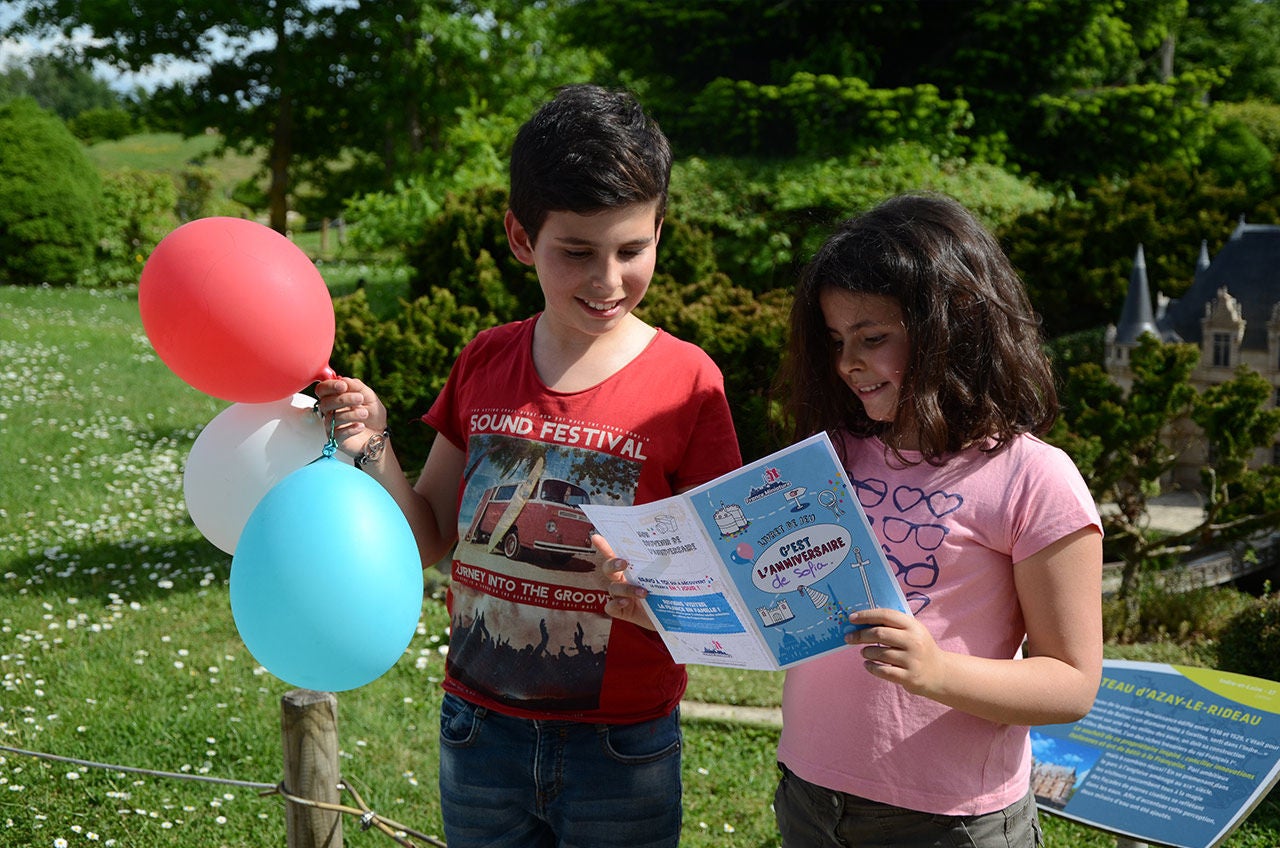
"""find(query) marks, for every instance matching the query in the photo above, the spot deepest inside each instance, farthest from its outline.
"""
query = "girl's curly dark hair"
(977, 374)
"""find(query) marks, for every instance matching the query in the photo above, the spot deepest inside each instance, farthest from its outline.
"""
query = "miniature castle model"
(1052, 783)
(1231, 311)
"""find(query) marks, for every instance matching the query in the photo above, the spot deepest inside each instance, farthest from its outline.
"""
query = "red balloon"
(237, 310)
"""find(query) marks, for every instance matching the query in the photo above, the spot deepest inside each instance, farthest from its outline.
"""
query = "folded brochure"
(759, 568)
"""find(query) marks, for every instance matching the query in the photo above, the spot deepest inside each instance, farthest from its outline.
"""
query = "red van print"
(533, 515)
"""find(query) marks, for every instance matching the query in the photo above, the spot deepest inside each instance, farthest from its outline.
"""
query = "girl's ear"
(518, 238)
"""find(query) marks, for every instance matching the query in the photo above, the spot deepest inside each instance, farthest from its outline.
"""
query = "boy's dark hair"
(977, 374)
(588, 149)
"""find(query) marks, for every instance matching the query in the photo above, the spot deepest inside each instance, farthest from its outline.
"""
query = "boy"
(559, 724)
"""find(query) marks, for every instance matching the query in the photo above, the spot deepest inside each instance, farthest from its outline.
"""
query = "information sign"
(1170, 755)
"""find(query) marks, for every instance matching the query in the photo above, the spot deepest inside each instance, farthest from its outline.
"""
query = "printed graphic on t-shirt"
(528, 627)
(915, 531)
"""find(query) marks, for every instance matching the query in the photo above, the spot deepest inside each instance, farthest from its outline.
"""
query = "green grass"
(170, 152)
(117, 644)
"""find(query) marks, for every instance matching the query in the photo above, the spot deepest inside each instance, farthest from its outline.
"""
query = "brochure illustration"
(757, 569)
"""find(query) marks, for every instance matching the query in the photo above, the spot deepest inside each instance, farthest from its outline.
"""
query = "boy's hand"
(625, 603)
(354, 410)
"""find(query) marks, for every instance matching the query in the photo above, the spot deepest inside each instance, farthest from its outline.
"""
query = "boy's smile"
(594, 269)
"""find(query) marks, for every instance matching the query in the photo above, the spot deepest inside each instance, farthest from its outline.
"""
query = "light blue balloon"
(326, 581)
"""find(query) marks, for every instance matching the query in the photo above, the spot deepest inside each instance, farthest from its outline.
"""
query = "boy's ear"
(518, 238)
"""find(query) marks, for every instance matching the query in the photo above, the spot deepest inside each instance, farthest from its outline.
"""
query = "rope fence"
(309, 731)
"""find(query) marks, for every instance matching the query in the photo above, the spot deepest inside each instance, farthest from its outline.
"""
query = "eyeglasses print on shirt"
(914, 577)
(925, 532)
(928, 536)
(917, 575)
(870, 492)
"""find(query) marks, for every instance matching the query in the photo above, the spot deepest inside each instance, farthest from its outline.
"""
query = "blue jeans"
(810, 816)
(521, 783)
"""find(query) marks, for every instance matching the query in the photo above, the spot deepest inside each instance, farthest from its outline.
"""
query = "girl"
(914, 345)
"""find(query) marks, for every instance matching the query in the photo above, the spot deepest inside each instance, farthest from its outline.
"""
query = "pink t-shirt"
(952, 533)
(529, 636)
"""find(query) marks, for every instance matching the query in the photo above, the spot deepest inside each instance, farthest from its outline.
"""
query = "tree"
(1118, 442)
(322, 86)
(678, 48)
(257, 51)
(1122, 444)
(1077, 256)
(1236, 420)
(1068, 90)
(1241, 37)
(448, 111)
(410, 70)
(65, 88)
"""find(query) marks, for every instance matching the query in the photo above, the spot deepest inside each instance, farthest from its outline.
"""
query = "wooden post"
(324, 237)
(309, 730)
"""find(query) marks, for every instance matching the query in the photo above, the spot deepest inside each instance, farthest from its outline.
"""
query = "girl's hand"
(625, 603)
(354, 411)
(900, 650)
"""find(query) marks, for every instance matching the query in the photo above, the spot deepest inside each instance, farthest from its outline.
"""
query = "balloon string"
(331, 446)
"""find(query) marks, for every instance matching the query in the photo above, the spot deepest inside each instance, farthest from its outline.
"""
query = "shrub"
(1183, 618)
(93, 125)
(391, 220)
(137, 212)
(50, 197)
(823, 115)
(743, 333)
(1250, 644)
(1237, 155)
(465, 278)
(407, 357)
(198, 196)
(464, 250)
(768, 216)
(1262, 119)
(1103, 131)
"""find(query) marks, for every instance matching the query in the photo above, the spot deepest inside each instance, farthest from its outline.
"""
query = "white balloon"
(241, 454)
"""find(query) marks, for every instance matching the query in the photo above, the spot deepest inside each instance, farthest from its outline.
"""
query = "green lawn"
(117, 644)
(169, 152)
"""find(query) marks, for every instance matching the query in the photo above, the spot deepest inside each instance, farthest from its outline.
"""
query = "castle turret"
(1136, 318)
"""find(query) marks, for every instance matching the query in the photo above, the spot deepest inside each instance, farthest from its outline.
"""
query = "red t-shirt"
(528, 633)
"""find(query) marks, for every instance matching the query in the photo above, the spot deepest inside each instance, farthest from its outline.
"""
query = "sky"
(22, 51)
(148, 78)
